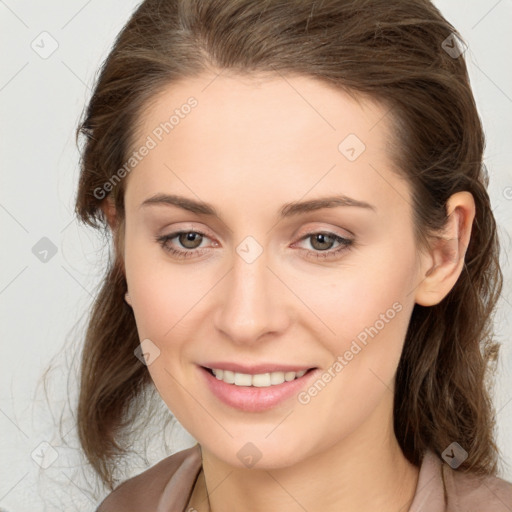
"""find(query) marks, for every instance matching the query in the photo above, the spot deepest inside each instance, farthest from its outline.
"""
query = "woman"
(305, 259)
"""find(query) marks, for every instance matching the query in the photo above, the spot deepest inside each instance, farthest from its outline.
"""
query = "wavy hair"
(394, 51)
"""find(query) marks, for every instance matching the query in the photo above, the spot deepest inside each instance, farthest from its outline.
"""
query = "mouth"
(260, 380)
(256, 392)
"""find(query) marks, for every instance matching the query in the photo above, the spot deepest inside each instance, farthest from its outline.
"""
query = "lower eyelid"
(344, 243)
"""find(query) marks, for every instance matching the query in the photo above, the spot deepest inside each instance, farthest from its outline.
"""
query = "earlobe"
(443, 264)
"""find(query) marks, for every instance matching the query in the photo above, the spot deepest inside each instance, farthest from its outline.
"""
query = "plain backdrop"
(50, 265)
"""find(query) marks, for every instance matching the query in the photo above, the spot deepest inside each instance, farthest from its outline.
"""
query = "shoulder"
(170, 480)
(441, 488)
(469, 492)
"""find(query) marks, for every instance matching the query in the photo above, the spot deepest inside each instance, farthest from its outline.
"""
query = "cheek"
(369, 291)
(161, 292)
(369, 309)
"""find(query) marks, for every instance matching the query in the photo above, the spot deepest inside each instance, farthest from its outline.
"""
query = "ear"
(442, 264)
(109, 211)
(116, 226)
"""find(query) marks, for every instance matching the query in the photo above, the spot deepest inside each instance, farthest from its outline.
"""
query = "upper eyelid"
(300, 238)
(306, 232)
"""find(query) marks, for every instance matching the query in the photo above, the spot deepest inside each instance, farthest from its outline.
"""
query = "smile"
(260, 380)
(256, 392)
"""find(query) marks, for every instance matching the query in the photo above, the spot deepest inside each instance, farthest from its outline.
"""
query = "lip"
(256, 399)
(255, 369)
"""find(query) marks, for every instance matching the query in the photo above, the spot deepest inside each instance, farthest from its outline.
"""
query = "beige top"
(168, 487)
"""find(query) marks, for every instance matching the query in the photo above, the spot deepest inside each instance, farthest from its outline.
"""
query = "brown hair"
(390, 50)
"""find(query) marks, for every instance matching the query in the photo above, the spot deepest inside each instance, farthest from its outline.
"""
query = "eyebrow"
(287, 210)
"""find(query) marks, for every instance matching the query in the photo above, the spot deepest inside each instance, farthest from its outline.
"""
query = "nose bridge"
(250, 303)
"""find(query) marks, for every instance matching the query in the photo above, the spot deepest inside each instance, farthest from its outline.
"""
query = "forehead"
(294, 133)
(251, 109)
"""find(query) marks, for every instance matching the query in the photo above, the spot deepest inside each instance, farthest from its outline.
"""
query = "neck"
(364, 472)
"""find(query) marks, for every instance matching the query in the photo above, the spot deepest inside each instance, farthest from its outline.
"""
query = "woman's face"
(261, 281)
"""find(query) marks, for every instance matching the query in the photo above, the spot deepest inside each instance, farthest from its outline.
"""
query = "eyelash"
(345, 245)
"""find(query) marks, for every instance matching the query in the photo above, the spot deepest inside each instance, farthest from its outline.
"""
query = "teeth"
(261, 380)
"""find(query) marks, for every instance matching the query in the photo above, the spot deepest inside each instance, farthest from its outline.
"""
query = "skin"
(250, 146)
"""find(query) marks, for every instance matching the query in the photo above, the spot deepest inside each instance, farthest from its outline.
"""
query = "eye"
(191, 241)
(322, 243)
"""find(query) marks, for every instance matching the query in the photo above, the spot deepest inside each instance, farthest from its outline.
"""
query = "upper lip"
(257, 368)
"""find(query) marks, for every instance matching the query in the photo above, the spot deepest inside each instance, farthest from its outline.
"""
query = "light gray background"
(41, 100)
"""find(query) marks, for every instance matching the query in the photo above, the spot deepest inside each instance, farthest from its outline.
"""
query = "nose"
(251, 302)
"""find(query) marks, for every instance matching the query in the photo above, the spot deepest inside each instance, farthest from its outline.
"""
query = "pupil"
(321, 238)
(192, 238)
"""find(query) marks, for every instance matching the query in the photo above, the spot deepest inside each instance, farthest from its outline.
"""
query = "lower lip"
(255, 399)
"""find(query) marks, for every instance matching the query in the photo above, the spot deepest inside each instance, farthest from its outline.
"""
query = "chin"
(259, 453)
